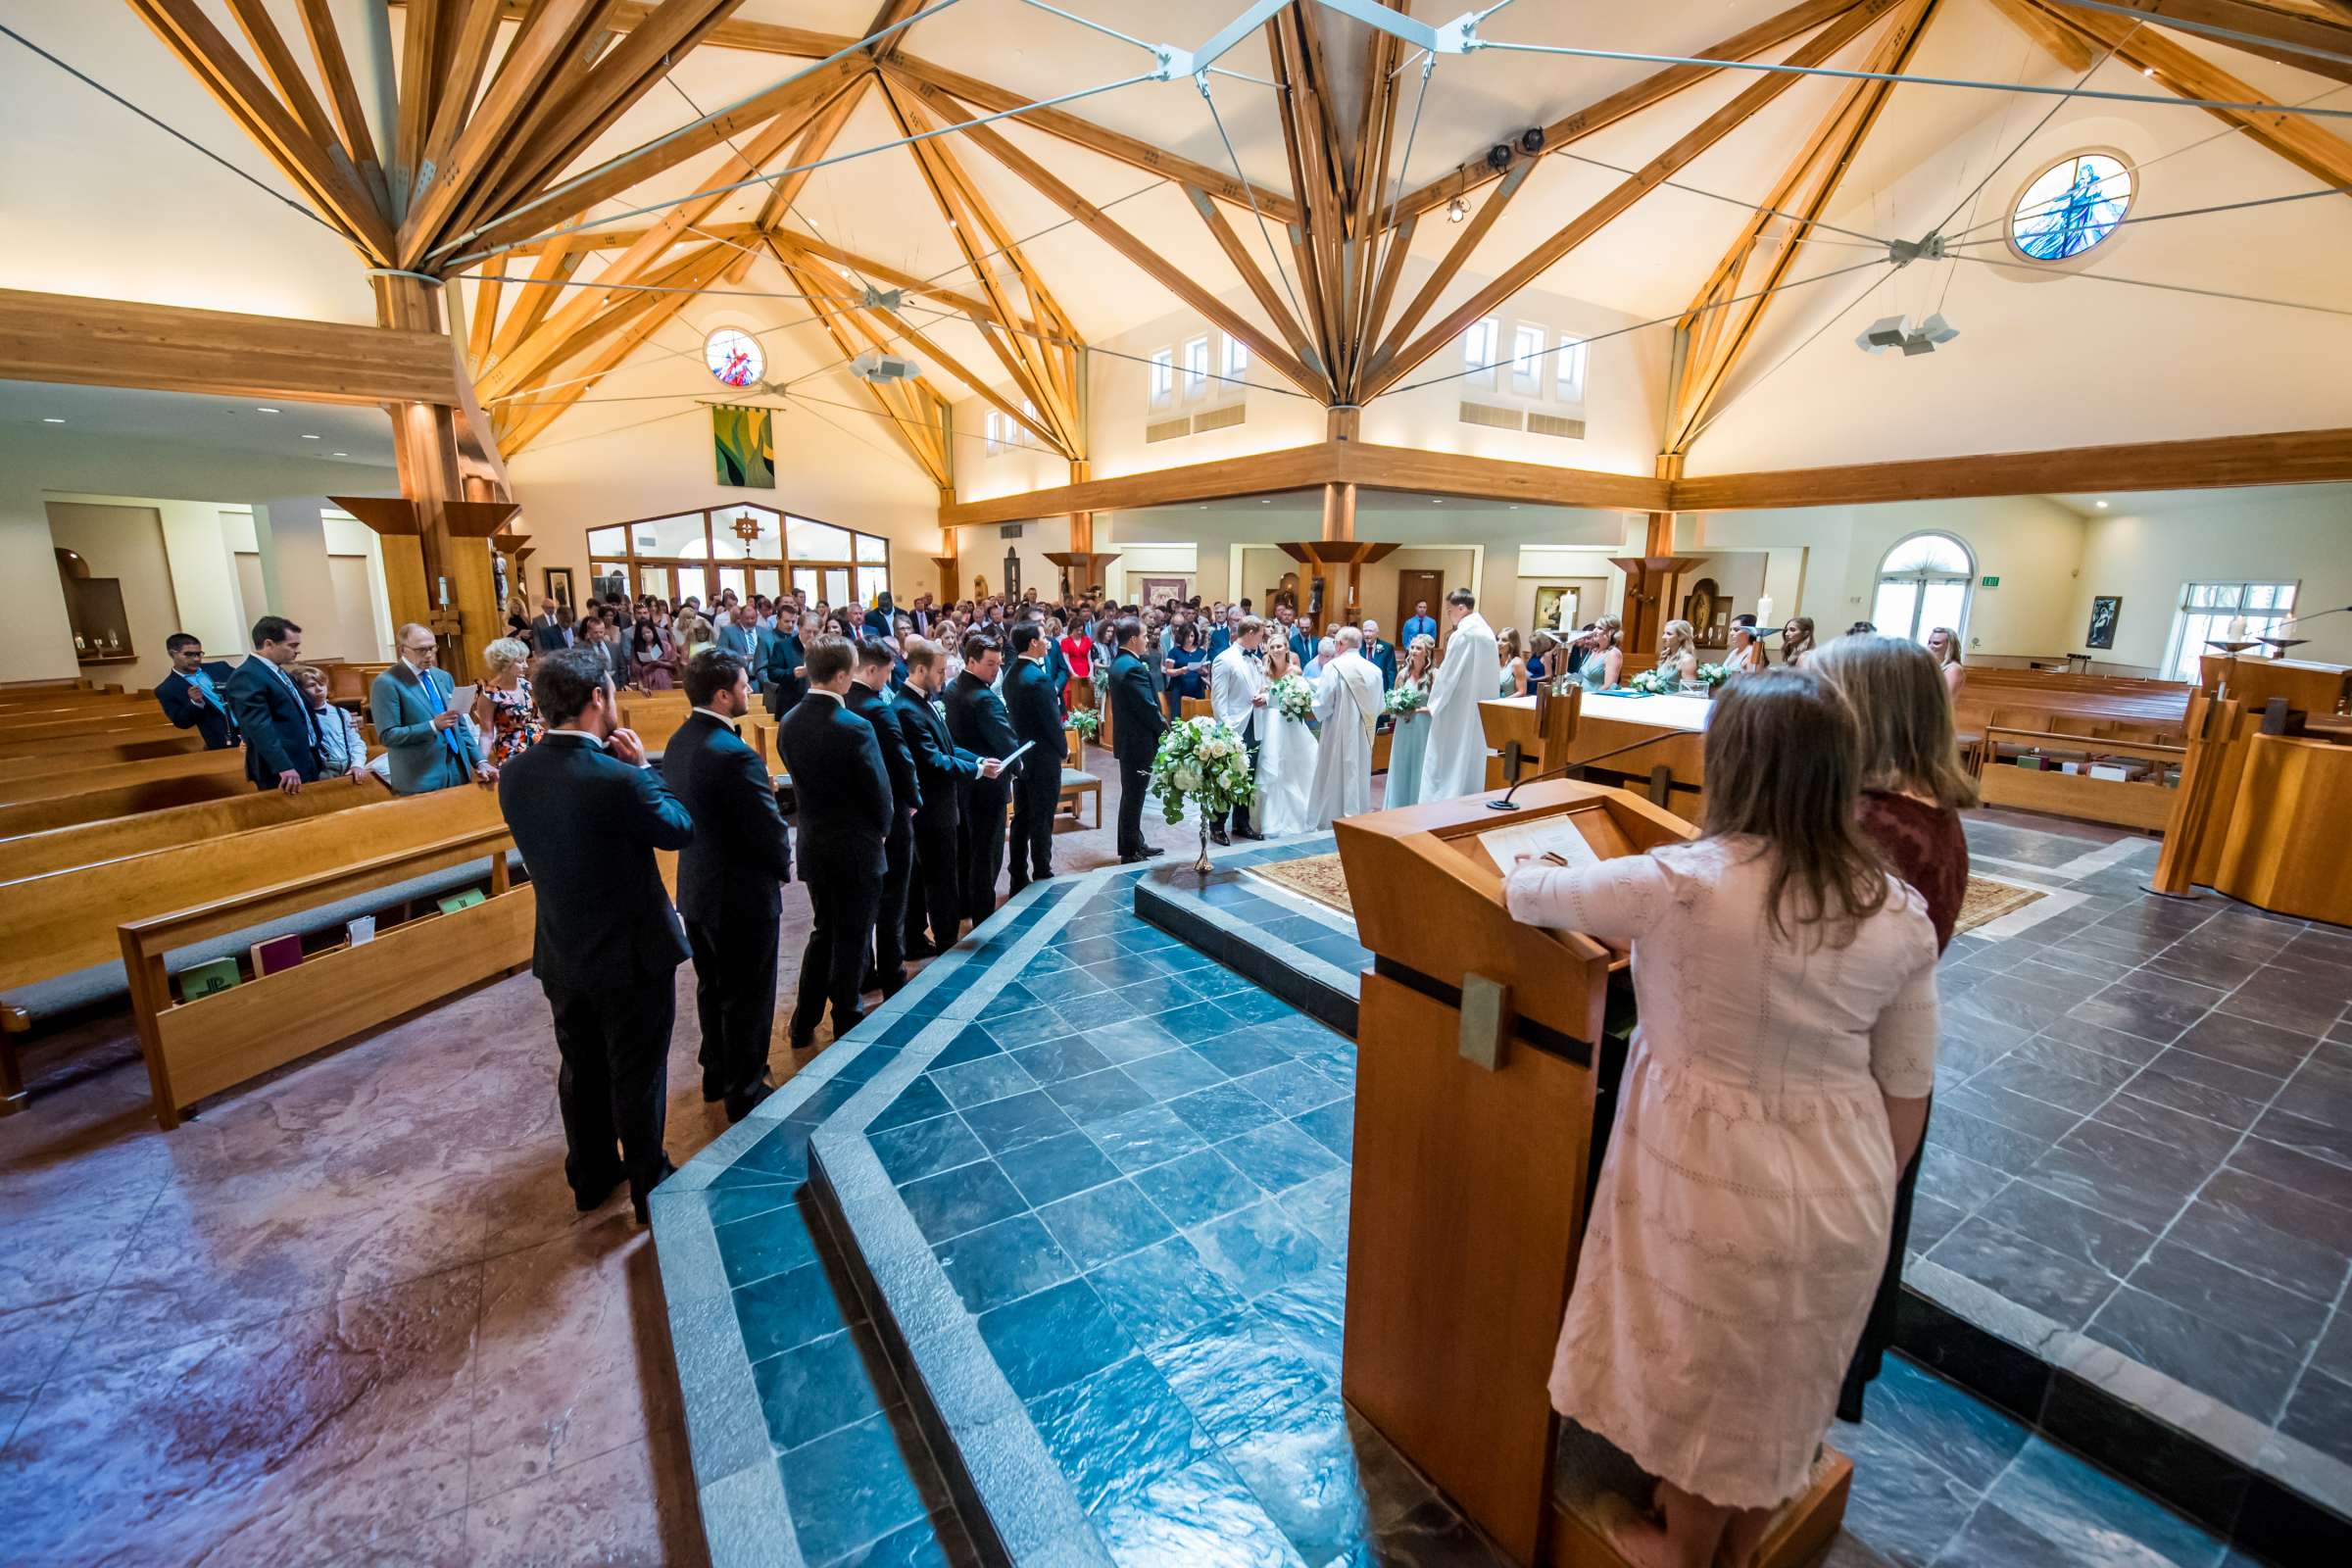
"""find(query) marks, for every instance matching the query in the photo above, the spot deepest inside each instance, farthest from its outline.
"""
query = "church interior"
(1210, 1201)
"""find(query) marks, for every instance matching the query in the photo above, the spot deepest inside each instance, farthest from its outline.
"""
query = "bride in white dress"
(1286, 758)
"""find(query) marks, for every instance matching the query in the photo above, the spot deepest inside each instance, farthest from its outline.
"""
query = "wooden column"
(948, 562)
(1082, 523)
(1339, 514)
(461, 595)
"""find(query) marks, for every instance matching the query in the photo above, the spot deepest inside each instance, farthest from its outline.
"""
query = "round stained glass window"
(2071, 206)
(734, 356)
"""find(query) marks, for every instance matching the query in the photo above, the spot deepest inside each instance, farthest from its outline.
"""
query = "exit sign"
(1992, 582)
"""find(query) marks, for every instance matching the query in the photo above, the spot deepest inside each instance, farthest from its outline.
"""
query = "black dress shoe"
(871, 980)
(921, 950)
(1152, 851)
(713, 1091)
(590, 1198)
(1216, 835)
(740, 1103)
(640, 1204)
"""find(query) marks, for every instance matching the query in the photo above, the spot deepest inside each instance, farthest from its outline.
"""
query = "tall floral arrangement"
(1087, 721)
(1202, 762)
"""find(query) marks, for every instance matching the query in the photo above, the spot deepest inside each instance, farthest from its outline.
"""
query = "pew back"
(121, 798)
(58, 784)
(81, 752)
(116, 837)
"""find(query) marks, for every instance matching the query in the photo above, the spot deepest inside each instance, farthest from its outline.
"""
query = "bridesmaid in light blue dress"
(1409, 741)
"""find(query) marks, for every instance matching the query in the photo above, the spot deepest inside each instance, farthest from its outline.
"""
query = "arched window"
(1923, 583)
(2071, 206)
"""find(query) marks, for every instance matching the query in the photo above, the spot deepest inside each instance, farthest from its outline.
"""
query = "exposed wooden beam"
(890, 13)
(882, 272)
(2319, 152)
(924, 442)
(759, 37)
(455, 93)
(1722, 321)
(1066, 126)
(1252, 275)
(1762, 38)
(482, 323)
(343, 95)
(2264, 30)
(527, 424)
(1450, 265)
(1390, 367)
(815, 143)
(2059, 41)
(551, 269)
(1318, 240)
(2284, 457)
(163, 348)
(413, 114)
(270, 44)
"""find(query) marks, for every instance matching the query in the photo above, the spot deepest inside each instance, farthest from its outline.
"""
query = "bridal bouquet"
(1405, 700)
(1087, 721)
(1205, 762)
(1293, 698)
(1657, 682)
(1713, 675)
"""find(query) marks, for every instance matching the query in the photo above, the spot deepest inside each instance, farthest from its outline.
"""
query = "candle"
(1764, 610)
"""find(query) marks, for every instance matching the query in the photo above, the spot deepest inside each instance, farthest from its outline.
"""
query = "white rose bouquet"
(1403, 698)
(1203, 764)
(1087, 721)
(1293, 698)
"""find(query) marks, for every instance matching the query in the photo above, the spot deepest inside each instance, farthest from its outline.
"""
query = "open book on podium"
(1480, 1101)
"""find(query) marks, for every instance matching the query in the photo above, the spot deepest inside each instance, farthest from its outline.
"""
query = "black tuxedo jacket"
(898, 758)
(210, 719)
(1136, 720)
(1035, 709)
(740, 859)
(939, 765)
(841, 785)
(276, 722)
(784, 656)
(588, 825)
(977, 720)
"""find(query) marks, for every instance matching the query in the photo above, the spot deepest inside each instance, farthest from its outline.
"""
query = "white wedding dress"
(1286, 774)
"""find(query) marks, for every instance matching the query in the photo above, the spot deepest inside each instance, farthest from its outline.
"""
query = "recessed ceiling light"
(2101, 504)
(260, 410)
(47, 419)
(1265, 503)
(1437, 500)
(307, 436)
(342, 454)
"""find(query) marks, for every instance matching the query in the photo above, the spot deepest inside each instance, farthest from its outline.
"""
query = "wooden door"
(1416, 587)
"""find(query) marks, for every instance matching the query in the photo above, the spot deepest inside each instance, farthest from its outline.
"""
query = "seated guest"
(655, 661)
(1777, 1086)
(1678, 652)
(844, 812)
(342, 752)
(1862, 628)
(587, 814)
(1913, 791)
(504, 702)
(432, 746)
(190, 696)
(280, 748)
(730, 881)
(1542, 649)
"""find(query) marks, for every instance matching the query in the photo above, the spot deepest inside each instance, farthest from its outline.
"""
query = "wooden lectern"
(1482, 1092)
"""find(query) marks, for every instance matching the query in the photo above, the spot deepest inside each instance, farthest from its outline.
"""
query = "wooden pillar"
(1339, 514)
(1342, 424)
(1082, 523)
(948, 562)
(461, 595)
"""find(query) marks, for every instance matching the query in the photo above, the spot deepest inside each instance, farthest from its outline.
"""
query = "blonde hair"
(1278, 648)
(1679, 637)
(505, 653)
(1508, 642)
(1422, 643)
(1896, 691)
(1951, 645)
(1612, 631)
(306, 675)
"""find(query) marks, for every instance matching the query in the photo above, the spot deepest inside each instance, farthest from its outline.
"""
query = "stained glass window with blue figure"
(2070, 207)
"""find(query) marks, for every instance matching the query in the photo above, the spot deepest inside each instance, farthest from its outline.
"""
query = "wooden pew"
(117, 838)
(654, 715)
(80, 754)
(38, 722)
(200, 1048)
(114, 799)
(2007, 714)
(24, 785)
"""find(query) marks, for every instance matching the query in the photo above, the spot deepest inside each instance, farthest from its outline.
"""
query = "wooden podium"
(1482, 1091)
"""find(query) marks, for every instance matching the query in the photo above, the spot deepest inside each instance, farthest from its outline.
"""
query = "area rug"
(1313, 876)
(1989, 899)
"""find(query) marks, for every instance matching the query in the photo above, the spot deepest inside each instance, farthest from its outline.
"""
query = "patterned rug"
(1313, 876)
(1989, 899)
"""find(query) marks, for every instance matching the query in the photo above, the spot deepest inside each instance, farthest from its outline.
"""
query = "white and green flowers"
(1293, 698)
(1203, 762)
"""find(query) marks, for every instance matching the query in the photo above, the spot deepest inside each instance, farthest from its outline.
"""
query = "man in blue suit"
(430, 746)
(743, 637)
(1222, 638)
(281, 749)
(192, 696)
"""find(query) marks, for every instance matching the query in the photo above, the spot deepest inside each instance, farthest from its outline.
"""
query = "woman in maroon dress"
(1914, 790)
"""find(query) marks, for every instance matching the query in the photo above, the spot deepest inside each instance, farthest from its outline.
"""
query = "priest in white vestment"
(1455, 763)
(1347, 704)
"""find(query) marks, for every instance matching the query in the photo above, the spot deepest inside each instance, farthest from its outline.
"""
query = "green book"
(461, 900)
(202, 980)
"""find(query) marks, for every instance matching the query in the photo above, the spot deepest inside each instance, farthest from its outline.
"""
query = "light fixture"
(1456, 209)
(260, 410)
(1897, 333)
(307, 436)
(47, 419)
(2101, 504)
(342, 454)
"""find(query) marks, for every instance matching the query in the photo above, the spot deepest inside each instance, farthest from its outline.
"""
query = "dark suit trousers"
(1135, 782)
(936, 891)
(983, 832)
(1238, 817)
(1036, 794)
(735, 998)
(890, 905)
(843, 905)
(614, 1081)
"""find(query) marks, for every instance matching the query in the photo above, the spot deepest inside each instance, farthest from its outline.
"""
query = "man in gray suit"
(430, 746)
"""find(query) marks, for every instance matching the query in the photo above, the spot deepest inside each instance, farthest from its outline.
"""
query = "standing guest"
(1862, 628)
(1382, 653)
(1913, 791)
(655, 661)
(730, 881)
(1454, 761)
(588, 813)
(546, 632)
(504, 698)
(1739, 1222)
(342, 752)
(869, 699)
(1945, 644)
(845, 817)
(783, 677)
(190, 696)
(1035, 711)
(1135, 724)
(431, 745)
(1184, 667)
(1060, 669)
(1286, 626)
(1077, 653)
(1747, 655)
(877, 619)
(604, 640)
(1409, 741)
(519, 618)
(1419, 624)
(1237, 694)
(280, 748)
(943, 769)
(1229, 624)
(977, 720)
(1797, 640)
(742, 636)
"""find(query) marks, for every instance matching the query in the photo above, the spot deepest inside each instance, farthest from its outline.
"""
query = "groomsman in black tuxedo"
(1136, 723)
(587, 812)
(730, 880)
(846, 809)
(1035, 709)
(944, 771)
(977, 720)
(870, 700)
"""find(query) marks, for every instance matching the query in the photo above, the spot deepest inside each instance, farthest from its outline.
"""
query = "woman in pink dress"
(1777, 1086)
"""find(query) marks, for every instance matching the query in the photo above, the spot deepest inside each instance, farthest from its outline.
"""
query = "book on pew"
(461, 900)
(361, 930)
(277, 954)
(204, 979)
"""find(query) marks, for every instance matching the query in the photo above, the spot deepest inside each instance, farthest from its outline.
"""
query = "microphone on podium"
(1507, 805)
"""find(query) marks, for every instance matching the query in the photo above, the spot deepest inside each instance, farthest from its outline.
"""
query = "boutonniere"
(939, 707)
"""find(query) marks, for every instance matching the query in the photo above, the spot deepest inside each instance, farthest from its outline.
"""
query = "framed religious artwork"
(559, 586)
(2105, 610)
(1551, 603)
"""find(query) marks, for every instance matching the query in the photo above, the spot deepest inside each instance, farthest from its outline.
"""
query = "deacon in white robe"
(1347, 703)
(1455, 763)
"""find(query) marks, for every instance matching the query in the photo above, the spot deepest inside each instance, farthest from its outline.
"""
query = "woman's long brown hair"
(1905, 714)
(1784, 761)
